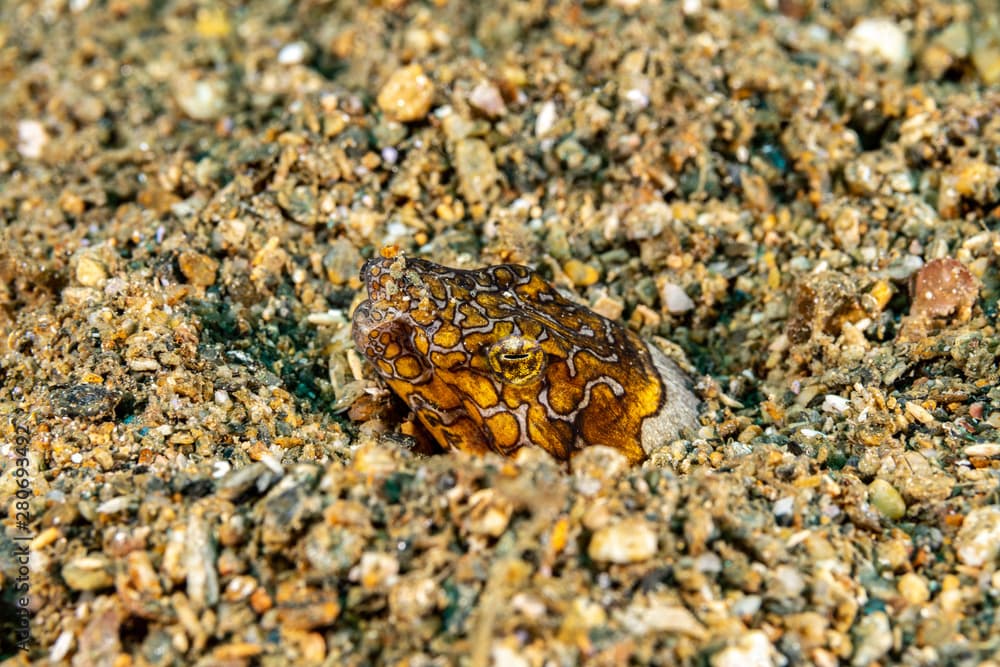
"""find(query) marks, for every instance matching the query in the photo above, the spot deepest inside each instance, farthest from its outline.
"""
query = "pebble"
(317, 610)
(834, 403)
(333, 551)
(582, 616)
(407, 94)
(31, 139)
(201, 99)
(662, 617)
(61, 646)
(956, 39)
(895, 552)
(502, 655)
(477, 171)
(489, 513)
(608, 307)
(199, 563)
(293, 54)
(573, 155)
(647, 221)
(784, 507)
(413, 598)
(986, 53)
(580, 273)
(879, 37)
(913, 588)
(546, 119)
(596, 468)
(862, 179)
(99, 643)
(985, 449)
(978, 541)
(786, 583)
(231, 233)
(90, 271)
(198, 268)
(376, 571)
(485, 97)
(87, 399)
(116, 504)
(747, 605)
(88, 573)
(886, 499)
(628, 541)
(341, 262)
(456, 126)
(872, 639)
(946, 48)
(751, 649)
(904, 267)
(675, 299)
(921, 481)
(142, 574)
(920, 413)
(943, 287)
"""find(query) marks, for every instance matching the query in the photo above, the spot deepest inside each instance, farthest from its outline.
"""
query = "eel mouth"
(394, 280)
(394, 291)
(378, 310)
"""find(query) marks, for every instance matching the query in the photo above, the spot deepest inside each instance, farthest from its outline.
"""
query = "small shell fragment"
(628, 541)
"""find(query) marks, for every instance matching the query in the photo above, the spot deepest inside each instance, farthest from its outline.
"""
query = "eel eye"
(516, 360)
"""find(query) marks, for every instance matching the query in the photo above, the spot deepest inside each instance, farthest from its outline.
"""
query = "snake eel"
(495, 359)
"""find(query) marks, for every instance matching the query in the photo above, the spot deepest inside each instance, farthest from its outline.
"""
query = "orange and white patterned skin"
(495, 359)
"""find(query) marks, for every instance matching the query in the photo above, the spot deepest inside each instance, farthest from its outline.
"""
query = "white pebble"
(675, 299)
(375, 570)
(390, 155)
(708, 562)
(751, 650)
(919, 413)
(546, 119)
(784, 506)
(881, 38)
(834, 403)
(978, 542)
(293, 54)
(487, 99)
(637, 99)
(788, 583)
(504, 656)
(114, 505)
(61, 646)
(202, 99)
(873, 639)
(31, 138)
(987, 449)
(747, 605)
(660, 617)
(691, 7)
(629, 541)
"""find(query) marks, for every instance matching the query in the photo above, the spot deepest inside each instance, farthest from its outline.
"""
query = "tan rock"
(407, 94)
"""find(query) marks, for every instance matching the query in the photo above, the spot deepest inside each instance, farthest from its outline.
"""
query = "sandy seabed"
(197, 468)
